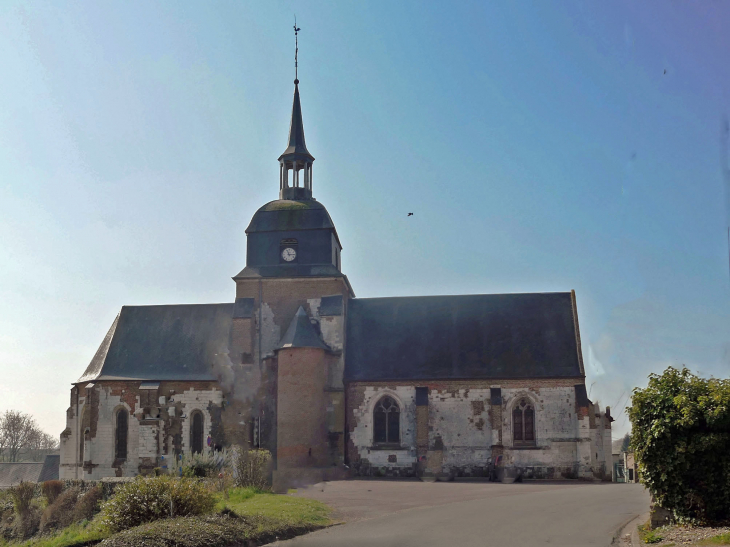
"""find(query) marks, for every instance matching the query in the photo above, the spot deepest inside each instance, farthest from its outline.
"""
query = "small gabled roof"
(301, 333)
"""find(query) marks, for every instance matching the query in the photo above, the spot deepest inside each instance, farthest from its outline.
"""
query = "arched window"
(523, 423)
(85, 423)
(196, 433)
(386, 421)
(120, 439)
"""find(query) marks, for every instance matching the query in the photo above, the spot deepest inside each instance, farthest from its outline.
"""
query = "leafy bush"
(22, 495)
(251, 468)
(681, 439)
(151, 498)
(88, 504)
(51, 490)
(205, 464)
(60, 513)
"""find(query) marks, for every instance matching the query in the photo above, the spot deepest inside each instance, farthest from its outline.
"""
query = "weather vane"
(296, 50)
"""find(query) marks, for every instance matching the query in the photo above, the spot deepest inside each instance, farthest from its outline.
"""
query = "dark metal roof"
(297, 149)
(466, 336)
(178, 342)
(286, 215)
(301, 333)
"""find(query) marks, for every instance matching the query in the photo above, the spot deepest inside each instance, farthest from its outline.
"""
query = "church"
(333, 385)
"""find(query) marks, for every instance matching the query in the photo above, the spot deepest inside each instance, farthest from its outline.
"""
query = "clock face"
(288, 254)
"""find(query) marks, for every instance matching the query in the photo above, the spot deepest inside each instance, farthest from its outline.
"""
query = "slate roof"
(465, 336)
(288, 214)
(301, 333)
(51, 465)
(179, 342)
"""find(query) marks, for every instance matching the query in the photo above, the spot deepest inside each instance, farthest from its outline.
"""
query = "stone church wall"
(158, 426)
(465, 430)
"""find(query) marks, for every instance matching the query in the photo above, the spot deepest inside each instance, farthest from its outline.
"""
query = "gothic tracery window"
(386, 422)
(523, 423)
(120, 437)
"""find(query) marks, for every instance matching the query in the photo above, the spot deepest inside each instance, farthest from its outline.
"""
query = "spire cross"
(296, 50)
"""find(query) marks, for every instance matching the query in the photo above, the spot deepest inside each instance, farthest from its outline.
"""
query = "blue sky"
(542, 146)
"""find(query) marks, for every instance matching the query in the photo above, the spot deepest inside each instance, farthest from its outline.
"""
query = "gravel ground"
(680, 535)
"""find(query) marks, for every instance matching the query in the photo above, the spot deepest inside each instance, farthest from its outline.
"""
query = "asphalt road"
(417, 514)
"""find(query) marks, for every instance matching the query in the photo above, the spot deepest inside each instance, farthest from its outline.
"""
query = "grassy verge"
(245, 514)
(722, 539)
(247, 502)
(83, 533)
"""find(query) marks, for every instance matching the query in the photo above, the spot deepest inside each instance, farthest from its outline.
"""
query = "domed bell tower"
(289, 326)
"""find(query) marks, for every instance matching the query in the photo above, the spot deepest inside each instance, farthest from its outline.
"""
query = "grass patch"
(80, 533)
(722, 539)
(648, 535)
(246, 513)
(248, 502)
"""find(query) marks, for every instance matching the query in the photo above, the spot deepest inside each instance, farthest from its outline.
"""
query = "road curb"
(630, 529)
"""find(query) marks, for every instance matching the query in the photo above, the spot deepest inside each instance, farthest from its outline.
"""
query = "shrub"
(205, 464)
(51, 490)
(22, 495)
(151, 498)
(88, 504)
(251, 468)
(61, 512)
(681, 438)
(26, 524)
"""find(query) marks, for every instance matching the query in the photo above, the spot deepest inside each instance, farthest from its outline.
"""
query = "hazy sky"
(541, 146)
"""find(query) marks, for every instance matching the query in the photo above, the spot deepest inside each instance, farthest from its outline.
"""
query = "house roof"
(179, 342)
(12, 473)
(467, 336)
(51, 465)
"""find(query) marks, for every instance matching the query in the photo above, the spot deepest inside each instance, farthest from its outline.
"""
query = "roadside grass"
(249, 502)
(722, 539)
(80, 533)
(647, 535)
(246, 513)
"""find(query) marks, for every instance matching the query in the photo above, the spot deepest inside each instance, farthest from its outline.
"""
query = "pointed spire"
(301, 333)
(297, 150)
(296, 158)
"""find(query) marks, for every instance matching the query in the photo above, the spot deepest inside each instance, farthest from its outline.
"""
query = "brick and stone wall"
(466, 427)
(158, 426)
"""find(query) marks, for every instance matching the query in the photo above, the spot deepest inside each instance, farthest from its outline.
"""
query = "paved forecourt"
(414, 513)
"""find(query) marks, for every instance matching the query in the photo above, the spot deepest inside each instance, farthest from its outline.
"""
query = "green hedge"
(681, 439)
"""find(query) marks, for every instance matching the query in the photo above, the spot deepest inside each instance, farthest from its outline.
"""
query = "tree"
(41, 444)
(681, 439)
(625, 443)
(20, 434)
